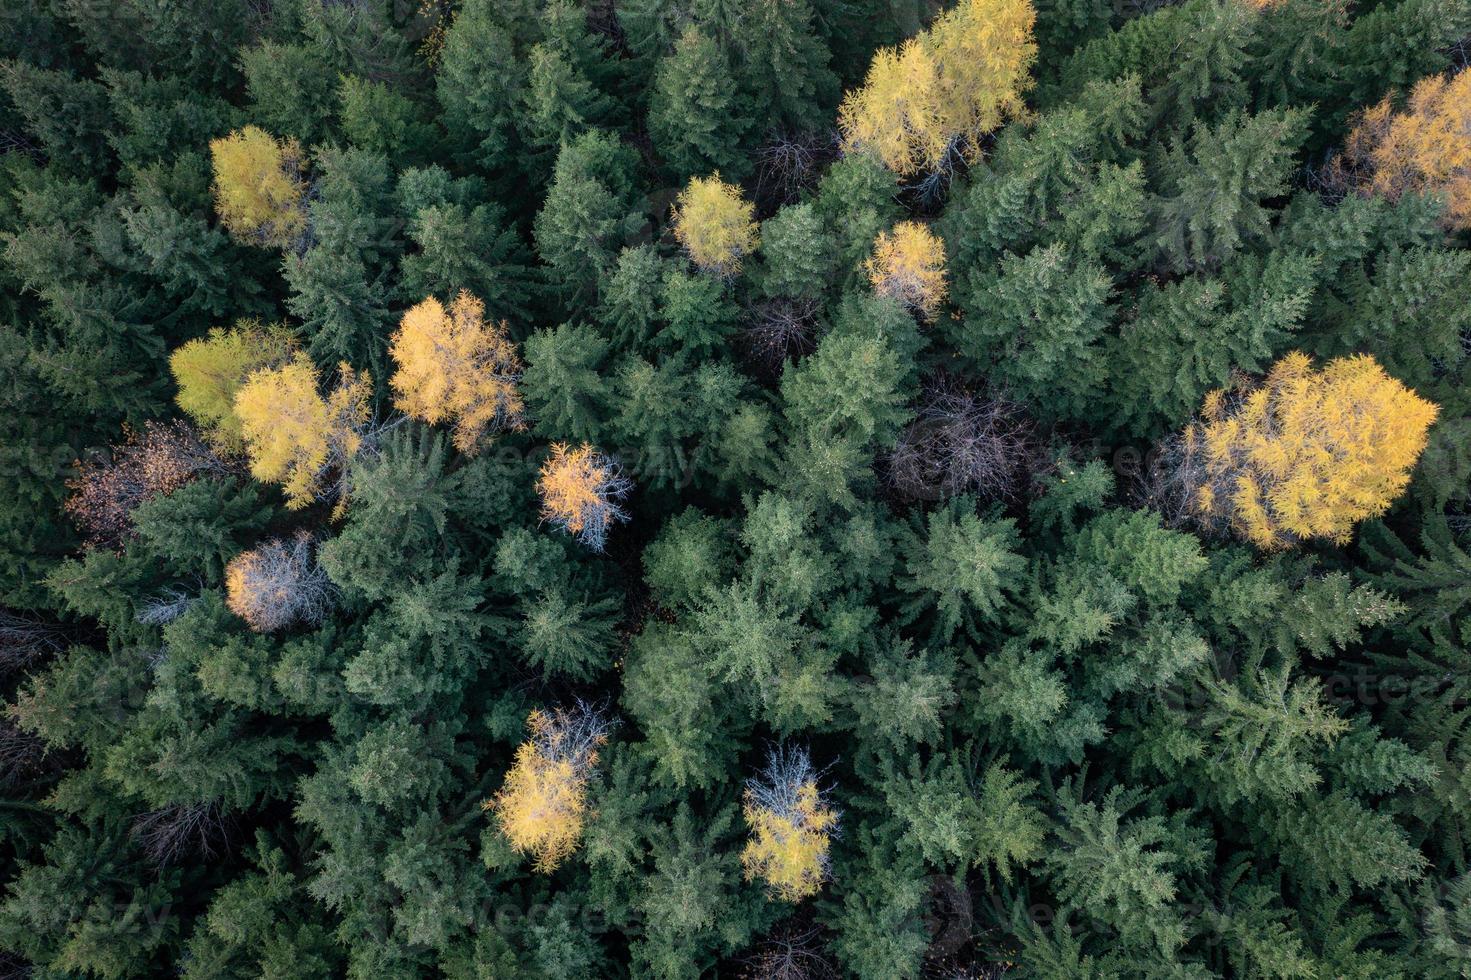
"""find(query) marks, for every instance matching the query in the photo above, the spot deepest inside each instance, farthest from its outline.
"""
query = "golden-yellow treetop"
(1424, 149)
(897, 115)
(944, 88)
(452, 364)
(716, 226)
(542, 805)
(908, 264)
(292, 433)
(1305, 453)
(791, 829)
(580, 489)
(259, 191)
(210, 370)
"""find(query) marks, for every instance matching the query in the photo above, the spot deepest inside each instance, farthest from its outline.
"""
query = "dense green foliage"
(1063, 729)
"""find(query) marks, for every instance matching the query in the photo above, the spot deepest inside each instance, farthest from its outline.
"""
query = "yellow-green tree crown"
(716, 226)
(791, 827)
(260, 193)
(293, 434)
(209, 371)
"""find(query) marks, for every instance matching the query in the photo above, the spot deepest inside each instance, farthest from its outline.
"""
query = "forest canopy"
(775, 489)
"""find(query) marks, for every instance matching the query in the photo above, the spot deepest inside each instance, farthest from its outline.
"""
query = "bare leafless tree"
(279, 583)
(154, 461)
(791, 952)
(199, 830)
(1169, 483)
(602, 19)
(929, 191)
(787, 164)
(951, 970)
(778, 332)
(22, 753)
(25, 640)
(164, 608)
(961, 441)
(14, 967)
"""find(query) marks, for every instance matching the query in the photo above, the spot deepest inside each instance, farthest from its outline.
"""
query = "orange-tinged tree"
(908, 264)
(1424, 149)
(716, 226)
(293, 435)
(542, 805)
(580, 491)
(944, 88)
(452, 364)
(209, 371)
(152, 463)
(260, 193)
(1302, 453)
(277, 584)
(792, 827)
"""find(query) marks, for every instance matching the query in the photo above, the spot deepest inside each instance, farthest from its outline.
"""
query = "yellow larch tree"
(791, 826)
(897, 115)
(542, 805)
(580, 490)
(260, 192)
(944, 88)
(450, 364)
(715, 224)
(908, 264)
(210, 370)
(983, 51)
(1303, 453)
(1424, 149)
(293, 435)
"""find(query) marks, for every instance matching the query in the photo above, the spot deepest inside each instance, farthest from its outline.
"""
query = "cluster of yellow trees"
(254, 392)
(1268, 462)
(717, 228)
(542, 807)
(1302, 453)
(251, 390)
(260, 195)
